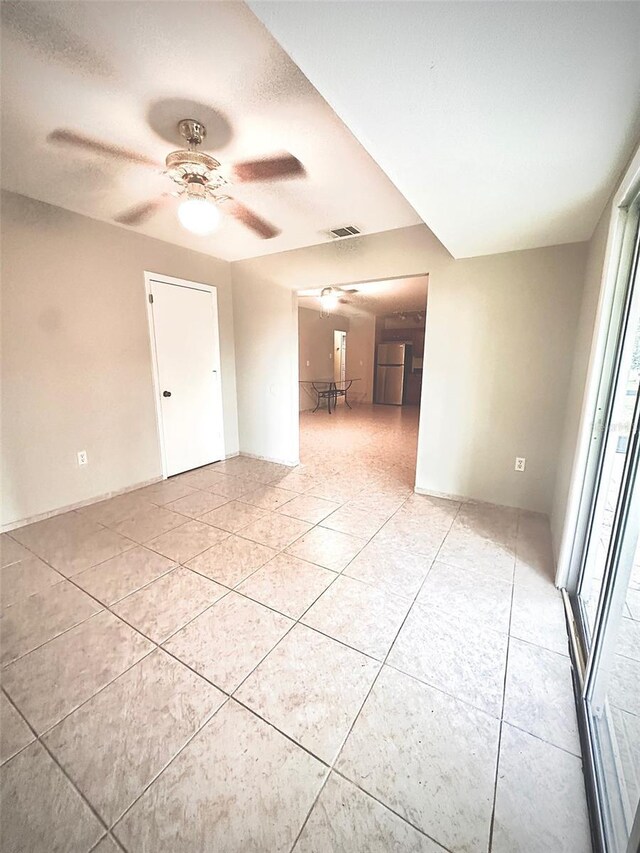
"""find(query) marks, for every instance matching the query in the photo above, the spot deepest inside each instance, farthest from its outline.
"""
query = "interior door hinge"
(151, 297)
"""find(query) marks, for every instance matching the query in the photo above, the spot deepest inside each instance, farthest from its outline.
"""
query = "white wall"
(76, 363)
(500, 334)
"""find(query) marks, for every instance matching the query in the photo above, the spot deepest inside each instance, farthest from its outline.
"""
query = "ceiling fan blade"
(139, 213)
(263, 228)
(62, 136)
(268, 169)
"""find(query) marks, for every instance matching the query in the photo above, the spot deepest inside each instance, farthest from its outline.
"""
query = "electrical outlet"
(307, 364)
(82, 457)
(520, 463)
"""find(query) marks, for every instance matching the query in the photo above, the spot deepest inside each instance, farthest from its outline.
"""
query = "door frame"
(150, 277)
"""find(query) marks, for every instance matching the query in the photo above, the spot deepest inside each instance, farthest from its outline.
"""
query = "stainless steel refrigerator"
(390, 369)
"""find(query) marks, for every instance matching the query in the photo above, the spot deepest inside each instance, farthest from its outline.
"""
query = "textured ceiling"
(127, 72)
(504, 124)
(376, 297)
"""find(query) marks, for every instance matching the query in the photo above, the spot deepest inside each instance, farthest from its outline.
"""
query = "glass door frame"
(621, 260)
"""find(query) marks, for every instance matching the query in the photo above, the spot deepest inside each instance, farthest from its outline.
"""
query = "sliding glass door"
(606, 596)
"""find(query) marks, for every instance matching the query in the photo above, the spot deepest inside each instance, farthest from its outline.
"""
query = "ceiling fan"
(201, 184)
(329, 297)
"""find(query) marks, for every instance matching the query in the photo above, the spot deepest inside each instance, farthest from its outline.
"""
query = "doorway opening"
(339, 355)
(185, 352)
(361, 357)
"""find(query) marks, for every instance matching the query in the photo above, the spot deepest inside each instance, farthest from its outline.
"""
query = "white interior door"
(185, 331)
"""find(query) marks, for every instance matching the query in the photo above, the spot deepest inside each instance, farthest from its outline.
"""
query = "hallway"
(249, 657)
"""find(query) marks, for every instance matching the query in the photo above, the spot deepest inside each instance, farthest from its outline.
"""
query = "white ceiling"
(123, 71)
(504, 124)
(375, 297)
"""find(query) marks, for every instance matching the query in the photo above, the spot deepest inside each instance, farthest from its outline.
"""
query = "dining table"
(329, 390)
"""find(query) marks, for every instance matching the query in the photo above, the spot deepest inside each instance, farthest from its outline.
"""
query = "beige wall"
(580, 364)
(500, 334)
(76, 363)
(361, 348)
(315, 346)
(266, 339)
(498, 349)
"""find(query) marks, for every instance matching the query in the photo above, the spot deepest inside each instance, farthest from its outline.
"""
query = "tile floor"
(253, 658)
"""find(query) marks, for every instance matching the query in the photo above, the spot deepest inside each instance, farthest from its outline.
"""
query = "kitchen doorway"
(339, 356)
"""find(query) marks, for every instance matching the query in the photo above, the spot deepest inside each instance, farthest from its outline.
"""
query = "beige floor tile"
(42, 812)
(311, 688)
(469, 550)
(439, 512)
(233, 516)
(229, 640)
(185, 542)
(167, 491)
(116, 744)
(540, 800)
(346, 820)
(296, 481)
(409, 531)
(15, 734)
(33, 621)
(238, 786)
(232, 560)
(287, 584)
(389, 569)
(120, 576)
(539, 695)
(268, 497)
(54, 680)
(115, 510)
(24, 578)
(336, 489)
(407, 740)
(327, 548)
(202, 478)
(442, 650)
(196, 504)
(159, 609)
(71, 557)
(44, 536)
(469, 594)
(230, 487)
(357, 522)
(534, 555)
(487, 521)
(308, 508)
(537, 616)
(148, 524)
(276, 531)
(11, 551)
(359, 615)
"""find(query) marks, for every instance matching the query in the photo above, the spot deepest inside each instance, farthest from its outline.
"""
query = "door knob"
(166, 393)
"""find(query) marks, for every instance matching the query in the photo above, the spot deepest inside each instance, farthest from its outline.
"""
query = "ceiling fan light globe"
(198, 216)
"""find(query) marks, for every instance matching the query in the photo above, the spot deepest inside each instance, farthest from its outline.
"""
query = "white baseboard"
(14, 525)
(286, 462)
(466, 500)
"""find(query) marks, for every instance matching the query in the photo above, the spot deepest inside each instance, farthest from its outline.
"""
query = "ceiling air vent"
(345, 231)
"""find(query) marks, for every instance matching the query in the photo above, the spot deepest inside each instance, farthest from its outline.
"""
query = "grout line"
(504, 695)
(364, 701)
(294, 622)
